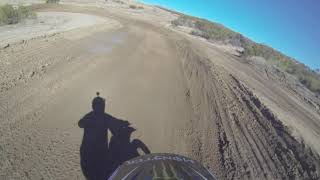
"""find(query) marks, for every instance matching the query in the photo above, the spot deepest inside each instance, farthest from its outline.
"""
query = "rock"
(32, 73)
(6, 46)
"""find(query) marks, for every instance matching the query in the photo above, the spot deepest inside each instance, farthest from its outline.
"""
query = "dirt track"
(176, 98)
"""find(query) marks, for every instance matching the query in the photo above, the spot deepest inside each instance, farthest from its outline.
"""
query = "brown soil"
(178, 97)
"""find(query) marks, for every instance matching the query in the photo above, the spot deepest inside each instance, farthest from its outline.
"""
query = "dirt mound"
(233, 133)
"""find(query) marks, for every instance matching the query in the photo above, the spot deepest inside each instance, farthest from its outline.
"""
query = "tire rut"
(247, 139)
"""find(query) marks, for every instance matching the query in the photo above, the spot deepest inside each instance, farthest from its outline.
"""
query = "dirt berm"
(233, 133)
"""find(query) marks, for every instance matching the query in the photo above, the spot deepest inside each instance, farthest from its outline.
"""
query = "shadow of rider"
(98, 160)
(122, 148)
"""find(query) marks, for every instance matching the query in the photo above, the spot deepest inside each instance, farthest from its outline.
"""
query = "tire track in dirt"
(29, 151)
(246, 140)
(139, 77)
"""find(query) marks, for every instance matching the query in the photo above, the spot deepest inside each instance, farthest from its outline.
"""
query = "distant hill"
(217, 32)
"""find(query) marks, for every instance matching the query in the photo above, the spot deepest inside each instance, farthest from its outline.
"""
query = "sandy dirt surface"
(46, 24)
(181, 95)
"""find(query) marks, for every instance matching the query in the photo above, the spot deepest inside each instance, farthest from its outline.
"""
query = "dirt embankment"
(233, 133)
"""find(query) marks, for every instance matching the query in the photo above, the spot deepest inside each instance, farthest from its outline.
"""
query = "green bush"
(169, 10)
(53, 1)
(11, 15)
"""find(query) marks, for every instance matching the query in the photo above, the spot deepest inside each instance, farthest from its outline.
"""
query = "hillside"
(218, 33)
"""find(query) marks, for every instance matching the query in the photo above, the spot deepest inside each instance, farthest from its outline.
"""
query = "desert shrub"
(175, 22)
(183, 20)
(135, 7)
(11, 15)
(209, 30)
(169, 10)
(53, 1)
(25, 12)
(118, 1)
(8, 15)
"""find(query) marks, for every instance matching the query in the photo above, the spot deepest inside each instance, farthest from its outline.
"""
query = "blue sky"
(290, 26)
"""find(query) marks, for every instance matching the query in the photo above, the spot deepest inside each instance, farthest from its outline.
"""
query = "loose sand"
(48, 23)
